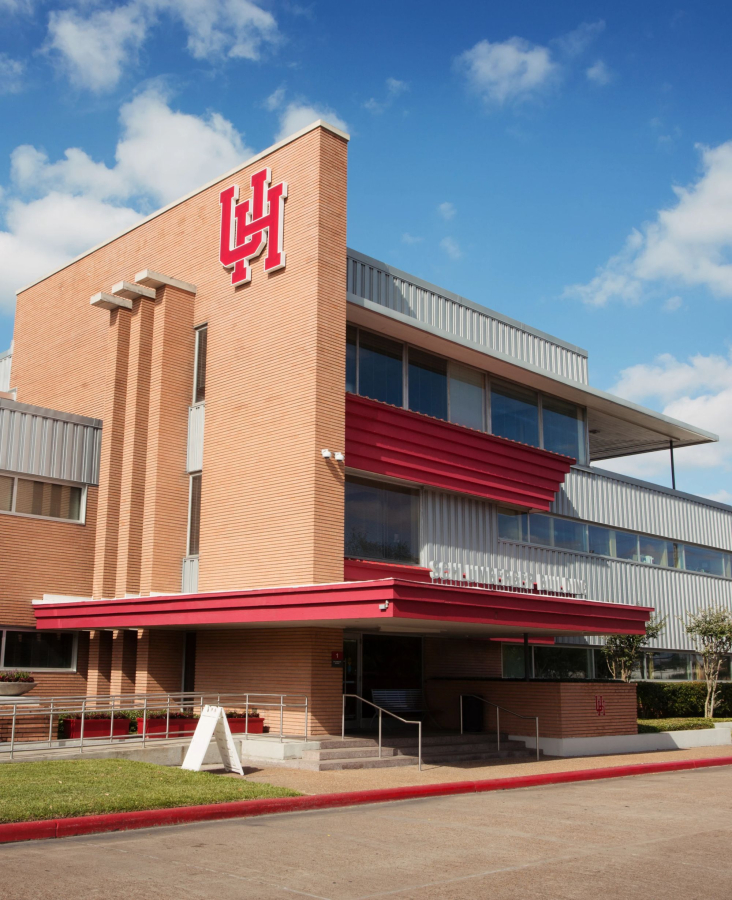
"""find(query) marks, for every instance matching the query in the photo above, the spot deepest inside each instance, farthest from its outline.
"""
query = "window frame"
(74, 651)
(64, 483)
(191, 476)
(387, 482)
(197, 338)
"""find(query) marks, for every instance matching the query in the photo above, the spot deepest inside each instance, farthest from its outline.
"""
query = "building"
(233, 451)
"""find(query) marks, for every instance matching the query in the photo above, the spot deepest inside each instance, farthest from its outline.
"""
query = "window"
(697, 669)
(351, 348)
(514, 413)
(655, 552)
(43, 498)
(512, 656)
(569, 535)
(599, 540)
(427, 384)
(561, 662)
(540, 530)
(6, 493)
(380, 368)
(38, 650)
(512, 525)
(199, 391)
(381, 522)
(466, 397)
(699, 559)
(666, 666)
(194, 516)
(626, 545)
(564, 427)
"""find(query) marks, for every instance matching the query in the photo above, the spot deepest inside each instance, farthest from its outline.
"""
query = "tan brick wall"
(445, 657)
(565, 709)
(283, 660)
(159, 662)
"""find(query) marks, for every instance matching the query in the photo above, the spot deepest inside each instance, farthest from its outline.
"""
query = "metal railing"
(145, 708)
(498, 719)
(381, 710)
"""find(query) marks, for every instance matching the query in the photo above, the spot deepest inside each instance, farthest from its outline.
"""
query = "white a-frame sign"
(213, 723)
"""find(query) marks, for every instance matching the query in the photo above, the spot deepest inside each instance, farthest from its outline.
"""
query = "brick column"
(124, 662)
(159, 662)
(100, 664)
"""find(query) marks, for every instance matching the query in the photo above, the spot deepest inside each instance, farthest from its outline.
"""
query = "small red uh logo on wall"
(600, 704)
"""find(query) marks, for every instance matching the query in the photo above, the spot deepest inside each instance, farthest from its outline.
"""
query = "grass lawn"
(653, 726)
(52, 790)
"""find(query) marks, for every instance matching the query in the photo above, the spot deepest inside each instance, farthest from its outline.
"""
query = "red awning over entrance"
(388, 604)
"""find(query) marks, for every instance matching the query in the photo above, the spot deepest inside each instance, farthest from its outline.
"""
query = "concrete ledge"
(611, 745)
(126, 821)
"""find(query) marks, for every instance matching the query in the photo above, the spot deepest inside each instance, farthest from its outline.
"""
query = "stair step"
(367, 762)
(347, 753)
(347, 743)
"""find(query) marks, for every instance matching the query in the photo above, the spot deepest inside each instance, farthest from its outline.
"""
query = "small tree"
(622, 651)
(711, 633)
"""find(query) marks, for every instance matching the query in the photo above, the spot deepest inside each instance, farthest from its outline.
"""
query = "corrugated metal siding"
(460, 529)
(40, 445)
(196, 421)
(381, 285)
(6, 361)
(598, 497)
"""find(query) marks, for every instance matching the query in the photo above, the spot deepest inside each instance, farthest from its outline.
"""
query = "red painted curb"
(125, 821)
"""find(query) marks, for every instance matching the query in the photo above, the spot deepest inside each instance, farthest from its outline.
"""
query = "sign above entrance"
(248, 226)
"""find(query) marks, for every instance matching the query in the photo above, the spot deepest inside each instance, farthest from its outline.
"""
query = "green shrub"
(662, 700)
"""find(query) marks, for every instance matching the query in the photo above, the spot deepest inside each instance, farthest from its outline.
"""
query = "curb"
(239, 809)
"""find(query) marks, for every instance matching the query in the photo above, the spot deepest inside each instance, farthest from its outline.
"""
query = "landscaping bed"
(654, 726)
(50, 790)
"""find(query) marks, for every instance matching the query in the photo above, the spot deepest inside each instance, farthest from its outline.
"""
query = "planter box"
(95, 728)
(155, 728)
(239, 726)
(16, 688)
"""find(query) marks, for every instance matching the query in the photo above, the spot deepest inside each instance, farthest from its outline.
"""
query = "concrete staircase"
(363, 753)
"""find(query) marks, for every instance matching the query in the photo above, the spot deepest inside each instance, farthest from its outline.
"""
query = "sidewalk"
(308, 782)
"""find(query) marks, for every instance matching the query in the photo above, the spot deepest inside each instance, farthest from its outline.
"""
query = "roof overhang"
(617, 427)
(388, 604)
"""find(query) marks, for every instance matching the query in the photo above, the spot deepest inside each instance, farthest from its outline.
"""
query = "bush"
(659, 700)
(15, 676)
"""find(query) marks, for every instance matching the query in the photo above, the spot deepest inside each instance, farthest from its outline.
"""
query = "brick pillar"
(115, 396)
(124, 662)
(165, 525)
(100, 664)
(159, 662)
(134, 449)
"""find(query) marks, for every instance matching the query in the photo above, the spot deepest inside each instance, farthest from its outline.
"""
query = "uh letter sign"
(247, 226)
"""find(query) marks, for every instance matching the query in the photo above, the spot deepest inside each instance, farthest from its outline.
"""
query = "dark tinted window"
(514, 413)
(381, 522)
(380, 368)
(351, 359)
(195, 521)
(31, 650)
(427, 384)
(563, 428)
(201, 345)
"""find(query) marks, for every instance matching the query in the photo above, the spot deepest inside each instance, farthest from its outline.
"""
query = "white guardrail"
(63, 723)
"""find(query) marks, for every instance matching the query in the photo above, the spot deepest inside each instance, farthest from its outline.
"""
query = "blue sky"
(567, 164)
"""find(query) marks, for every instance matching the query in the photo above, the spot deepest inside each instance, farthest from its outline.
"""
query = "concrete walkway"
(658, 836)
(368, 779)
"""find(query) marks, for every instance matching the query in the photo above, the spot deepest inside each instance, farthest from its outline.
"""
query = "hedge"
(659, 700)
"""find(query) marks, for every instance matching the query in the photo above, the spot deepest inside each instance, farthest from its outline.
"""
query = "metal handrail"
(141, 704)
(498, 719)
(381, 710)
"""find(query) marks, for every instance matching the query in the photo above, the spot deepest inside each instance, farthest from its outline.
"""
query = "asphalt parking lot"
(657, 836)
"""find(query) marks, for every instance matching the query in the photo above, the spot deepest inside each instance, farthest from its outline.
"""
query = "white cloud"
(95, 46)
(275, 99)
(55, 210)
(672, 304)
(408, 238)
(599, 73)
(698, 391)
(721, 496)
(576, 42)
(513, 70)
(447, 211)
(394, 88)
(11, 74)
(689, 243)
(451, 248)
(16, 6)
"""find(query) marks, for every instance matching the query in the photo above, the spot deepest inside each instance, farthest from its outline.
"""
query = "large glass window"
(561, 662)
(512, 525)
(6, 493)
(194, 520)
(38, 650)
(199, 392)
(655, 552)
(667, 666)
(599, 540)
(540, 530)
(626, 545)
(427, 384)
(351, 345)
(380, 368)
(569, 535)
(381, 522)
(41, 498)
(514, 413)
(563, 427)
(466, 397)
(700, 559)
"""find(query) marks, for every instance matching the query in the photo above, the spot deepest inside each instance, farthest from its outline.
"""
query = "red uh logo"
(599, 705)
(247, 226)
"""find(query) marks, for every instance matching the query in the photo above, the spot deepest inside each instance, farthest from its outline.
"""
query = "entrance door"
(350, 676)
(392, 662)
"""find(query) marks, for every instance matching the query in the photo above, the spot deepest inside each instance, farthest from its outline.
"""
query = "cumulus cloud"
(54, 210)
(687, 244)
(672, 304)
(394, 88)
(300, 113)
(697, 390)
(95, 46)
(408, 238)
(11, 74)
(447, 211)
(599, 73)
(451, 247)
(511, 70)
(576, 42)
